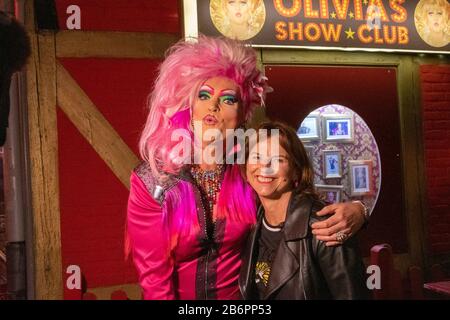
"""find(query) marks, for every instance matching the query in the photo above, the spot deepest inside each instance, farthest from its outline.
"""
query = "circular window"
(343, 153)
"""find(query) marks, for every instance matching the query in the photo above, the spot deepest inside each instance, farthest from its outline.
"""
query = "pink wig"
(187, 66)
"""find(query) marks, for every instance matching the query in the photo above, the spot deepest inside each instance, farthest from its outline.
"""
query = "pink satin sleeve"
(149, 246)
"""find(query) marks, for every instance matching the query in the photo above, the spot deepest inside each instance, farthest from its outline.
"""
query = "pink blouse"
(196, 268)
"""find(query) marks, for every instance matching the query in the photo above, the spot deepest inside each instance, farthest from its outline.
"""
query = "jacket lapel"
(246, 278)
(287, 260)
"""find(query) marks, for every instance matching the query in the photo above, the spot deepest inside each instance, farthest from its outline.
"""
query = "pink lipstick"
(210, 120)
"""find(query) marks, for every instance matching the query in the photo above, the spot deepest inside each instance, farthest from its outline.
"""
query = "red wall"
(92, 200)
(435, 83)
(123, 15)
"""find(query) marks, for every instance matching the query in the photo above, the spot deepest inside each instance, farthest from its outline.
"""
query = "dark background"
(370, 92)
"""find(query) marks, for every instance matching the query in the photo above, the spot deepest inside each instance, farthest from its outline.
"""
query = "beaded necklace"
(209, 183)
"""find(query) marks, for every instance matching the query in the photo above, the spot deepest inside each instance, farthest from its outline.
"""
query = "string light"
(293, 11)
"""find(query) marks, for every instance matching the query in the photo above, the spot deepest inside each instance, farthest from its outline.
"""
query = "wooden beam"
(94, 127)
(43, 152)
(82, 44)
(319, 57)
(412, 154)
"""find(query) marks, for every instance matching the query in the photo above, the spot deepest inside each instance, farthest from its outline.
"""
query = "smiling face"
(269, 172)
(217, 106)
(435, 18)
(238, 10)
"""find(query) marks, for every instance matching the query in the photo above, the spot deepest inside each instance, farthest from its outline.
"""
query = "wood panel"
(77, 44)
(94, 127)
(41, 83)
(412, 154)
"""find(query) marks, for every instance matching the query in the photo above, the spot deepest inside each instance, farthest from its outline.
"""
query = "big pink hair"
(187, 66)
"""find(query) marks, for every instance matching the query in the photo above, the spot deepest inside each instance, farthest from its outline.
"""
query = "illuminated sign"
(376, 25)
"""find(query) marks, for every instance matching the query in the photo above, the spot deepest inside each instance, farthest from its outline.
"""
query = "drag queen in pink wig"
(187, 223)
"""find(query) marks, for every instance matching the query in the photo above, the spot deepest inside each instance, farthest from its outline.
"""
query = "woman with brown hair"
(283, 258)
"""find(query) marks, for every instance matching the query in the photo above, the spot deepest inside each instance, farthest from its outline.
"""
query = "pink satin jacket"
(196, 268)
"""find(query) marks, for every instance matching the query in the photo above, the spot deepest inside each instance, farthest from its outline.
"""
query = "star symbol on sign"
(350, 33)
(333, 15)
(351, 15)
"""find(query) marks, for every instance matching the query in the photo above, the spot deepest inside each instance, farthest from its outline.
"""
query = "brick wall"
(435, 86)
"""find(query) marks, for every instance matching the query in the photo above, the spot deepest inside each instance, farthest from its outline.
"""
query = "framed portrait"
(329, 193)
(310, 152)
(338, 128)
(332, 164)
(309, 128)
(360, 177)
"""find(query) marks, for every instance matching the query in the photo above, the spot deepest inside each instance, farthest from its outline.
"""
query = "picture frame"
(332, 164)
(330, 193)
(310, 152)
(309, 129)
(361, 183)
(338, 128)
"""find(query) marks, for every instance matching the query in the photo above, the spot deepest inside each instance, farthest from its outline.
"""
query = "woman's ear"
(296, 179)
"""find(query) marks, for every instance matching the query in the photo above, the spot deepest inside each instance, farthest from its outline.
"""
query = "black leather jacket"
(303, 267)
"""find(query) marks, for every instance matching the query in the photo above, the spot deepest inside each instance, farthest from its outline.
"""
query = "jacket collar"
(295, 227)
(185, 174)
(247, 273)
(297, 217)
(287, 259)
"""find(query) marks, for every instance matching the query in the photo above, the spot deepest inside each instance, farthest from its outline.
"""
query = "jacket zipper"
(209, 238)
(206, 276)
(301, 277)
